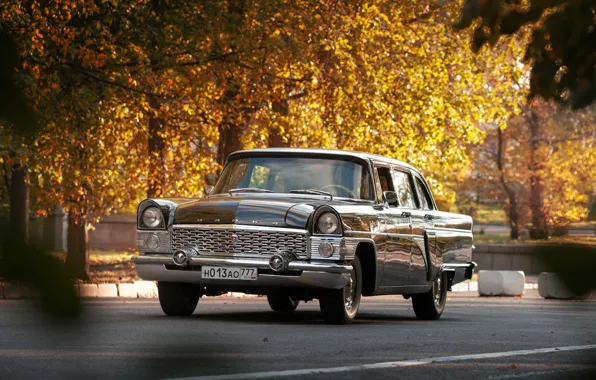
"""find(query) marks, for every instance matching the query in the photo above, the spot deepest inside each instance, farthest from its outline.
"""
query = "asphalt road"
(134, 340)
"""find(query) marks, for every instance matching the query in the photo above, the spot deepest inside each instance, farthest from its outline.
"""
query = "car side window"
(385, 178)
(423, 195)
(403, 188)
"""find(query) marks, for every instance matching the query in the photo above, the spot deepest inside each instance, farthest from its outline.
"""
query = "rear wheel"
(282, 303)
(340, 306)
(178, 299)
(430, 305)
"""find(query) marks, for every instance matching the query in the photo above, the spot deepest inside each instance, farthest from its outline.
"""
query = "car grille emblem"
(234, 239)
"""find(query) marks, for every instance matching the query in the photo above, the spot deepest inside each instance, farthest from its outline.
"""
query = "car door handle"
(406, 214)
(428, 217)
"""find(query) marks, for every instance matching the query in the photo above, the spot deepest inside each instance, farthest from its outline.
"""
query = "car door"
(425, 265)
(404, 186)
(397, 229)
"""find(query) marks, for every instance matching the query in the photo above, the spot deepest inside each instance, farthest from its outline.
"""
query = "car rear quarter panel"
(453, 237)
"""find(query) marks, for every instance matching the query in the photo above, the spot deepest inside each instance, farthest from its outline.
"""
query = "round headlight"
(328, 223)
(152, 217)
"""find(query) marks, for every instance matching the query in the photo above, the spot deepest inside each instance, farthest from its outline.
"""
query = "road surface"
(523, 338)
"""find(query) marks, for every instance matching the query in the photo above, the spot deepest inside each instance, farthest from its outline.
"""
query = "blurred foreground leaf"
(45, 273)
(20, 262)
(574, 263)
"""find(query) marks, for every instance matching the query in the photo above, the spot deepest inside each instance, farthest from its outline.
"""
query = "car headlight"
(328, 223)
(152, 217)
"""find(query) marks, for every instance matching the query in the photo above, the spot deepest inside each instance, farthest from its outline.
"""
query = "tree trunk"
(539, 226)
(156, 144)
(230, 129)
(19, 203)
(281, 111)
(512, 208)
(229, 141)
(513, 217)
(77, 256)
(156, 148)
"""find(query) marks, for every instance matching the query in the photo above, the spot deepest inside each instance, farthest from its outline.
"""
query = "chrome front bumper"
(299, 273)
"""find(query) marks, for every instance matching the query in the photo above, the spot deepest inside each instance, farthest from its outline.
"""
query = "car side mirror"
(390, 197)
(211, 179)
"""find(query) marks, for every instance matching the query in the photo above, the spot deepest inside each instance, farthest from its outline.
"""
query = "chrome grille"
(245, 243)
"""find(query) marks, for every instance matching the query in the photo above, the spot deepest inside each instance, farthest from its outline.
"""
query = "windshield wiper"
(249, 190)
(313, 191)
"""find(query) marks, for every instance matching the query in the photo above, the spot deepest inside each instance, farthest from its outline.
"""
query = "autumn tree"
(541, 166)
(394, 79)
(176, 86)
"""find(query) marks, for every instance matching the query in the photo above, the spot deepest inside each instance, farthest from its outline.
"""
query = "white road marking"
(385, 365)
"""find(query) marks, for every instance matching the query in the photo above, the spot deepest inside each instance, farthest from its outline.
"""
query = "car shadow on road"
(299, 318)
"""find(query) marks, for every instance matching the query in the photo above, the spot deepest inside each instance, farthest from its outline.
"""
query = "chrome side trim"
(459, 265)
(405, 236)
(449, 229)
(241, 227)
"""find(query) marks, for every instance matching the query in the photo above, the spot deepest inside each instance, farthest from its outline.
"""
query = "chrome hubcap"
(437, 291)
(350, 293)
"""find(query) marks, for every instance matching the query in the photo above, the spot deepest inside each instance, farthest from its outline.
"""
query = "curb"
(137, 289)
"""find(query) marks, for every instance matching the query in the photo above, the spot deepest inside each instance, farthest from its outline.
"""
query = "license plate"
(227, 273)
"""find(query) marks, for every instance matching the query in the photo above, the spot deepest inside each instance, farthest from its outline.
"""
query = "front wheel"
(340, 306)
(282, 303)
(178, 299)
(430, 305)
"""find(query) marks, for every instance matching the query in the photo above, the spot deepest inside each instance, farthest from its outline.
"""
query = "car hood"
(272, 212)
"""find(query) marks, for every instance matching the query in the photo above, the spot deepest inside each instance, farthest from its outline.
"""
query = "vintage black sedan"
(299, 224)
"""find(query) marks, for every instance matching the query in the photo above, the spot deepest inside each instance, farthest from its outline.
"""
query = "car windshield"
(337, 177)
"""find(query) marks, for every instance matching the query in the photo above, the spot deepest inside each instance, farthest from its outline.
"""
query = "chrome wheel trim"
(437, 291)
(350, 293)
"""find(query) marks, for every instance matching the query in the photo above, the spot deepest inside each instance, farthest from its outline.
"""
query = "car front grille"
(239, 242)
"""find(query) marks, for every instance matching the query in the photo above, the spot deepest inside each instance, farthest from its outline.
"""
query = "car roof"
(330, 152)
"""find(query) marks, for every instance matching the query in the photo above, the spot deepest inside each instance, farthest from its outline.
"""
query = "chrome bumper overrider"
(298, 274)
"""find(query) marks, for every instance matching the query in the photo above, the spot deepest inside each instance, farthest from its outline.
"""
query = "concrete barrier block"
(501, 283)
(550, 286)
(88, 290)
(16, 291)
(146, 289)
(127, 290)
(461, 287)
(107, 290)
